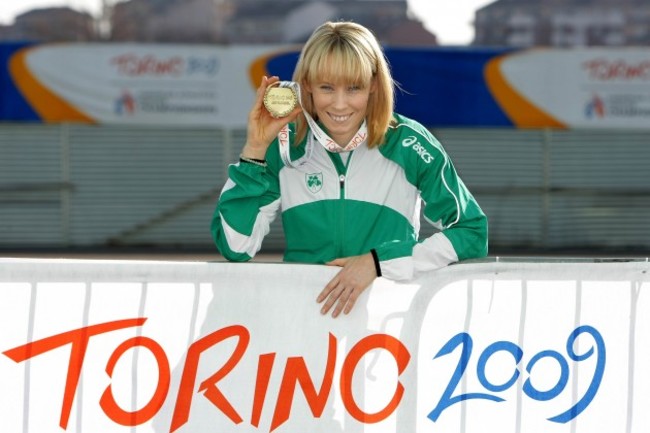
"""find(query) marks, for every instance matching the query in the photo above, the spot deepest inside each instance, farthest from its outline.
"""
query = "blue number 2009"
(465, 341)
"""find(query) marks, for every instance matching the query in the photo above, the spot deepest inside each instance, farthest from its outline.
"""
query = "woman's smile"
(339, 118)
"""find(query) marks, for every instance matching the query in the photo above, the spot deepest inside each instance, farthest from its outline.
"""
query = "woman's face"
(340, 107)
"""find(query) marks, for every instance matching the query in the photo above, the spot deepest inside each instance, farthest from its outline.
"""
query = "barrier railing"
(519, 346)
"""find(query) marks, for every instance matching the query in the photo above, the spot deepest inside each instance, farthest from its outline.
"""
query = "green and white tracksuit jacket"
(331, 209)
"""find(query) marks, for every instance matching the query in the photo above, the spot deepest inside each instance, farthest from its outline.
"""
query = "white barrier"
(104, 346)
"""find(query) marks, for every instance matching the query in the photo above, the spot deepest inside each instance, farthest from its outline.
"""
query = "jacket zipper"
(340, 240)
(341, 215)
(342, 179)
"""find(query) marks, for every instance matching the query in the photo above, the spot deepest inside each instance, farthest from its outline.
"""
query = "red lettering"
(211, 392)
(296, 373)
(377, 341)
(107, 401)
(132, 65)
(283, 135)
(78, 339)
(359, 138)
(264, 367)
(601, 69)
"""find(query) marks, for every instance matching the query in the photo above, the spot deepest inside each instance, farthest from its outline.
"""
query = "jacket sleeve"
(450, 208)
(247, 206)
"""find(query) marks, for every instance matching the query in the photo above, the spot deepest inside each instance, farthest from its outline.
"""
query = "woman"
(353, 201)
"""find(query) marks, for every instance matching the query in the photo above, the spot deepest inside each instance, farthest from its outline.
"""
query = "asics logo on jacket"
(414, 144)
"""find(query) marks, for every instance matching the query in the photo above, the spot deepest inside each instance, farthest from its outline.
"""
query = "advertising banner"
(214, 86)
(104, 346)
(597, 87)
(136, 83)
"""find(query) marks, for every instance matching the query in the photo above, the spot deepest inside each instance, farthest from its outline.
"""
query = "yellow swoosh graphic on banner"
(49, 106)
(522, 112)
(257, 69)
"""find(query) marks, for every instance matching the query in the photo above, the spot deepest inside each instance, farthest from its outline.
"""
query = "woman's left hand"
(345, 288)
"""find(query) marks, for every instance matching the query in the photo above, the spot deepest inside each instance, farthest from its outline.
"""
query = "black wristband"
(254, 161)
(375, 258)
(261, 161)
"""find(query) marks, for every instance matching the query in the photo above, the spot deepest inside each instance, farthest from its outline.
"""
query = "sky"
(449, 20)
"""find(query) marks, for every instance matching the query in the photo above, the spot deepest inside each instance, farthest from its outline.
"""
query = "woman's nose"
(340, 99)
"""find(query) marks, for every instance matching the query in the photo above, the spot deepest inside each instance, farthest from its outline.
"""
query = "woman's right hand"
(262, 127)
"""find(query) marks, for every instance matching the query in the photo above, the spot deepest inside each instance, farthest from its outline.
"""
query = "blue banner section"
(13, 106)
(445, 87)
(437, 86)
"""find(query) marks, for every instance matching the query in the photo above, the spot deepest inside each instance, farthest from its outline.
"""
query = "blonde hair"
(346, 52)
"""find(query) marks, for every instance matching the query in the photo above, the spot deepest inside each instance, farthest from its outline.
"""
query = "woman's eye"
(354, 88)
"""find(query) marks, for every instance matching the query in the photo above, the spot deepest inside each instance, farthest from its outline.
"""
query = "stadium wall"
(85, 186)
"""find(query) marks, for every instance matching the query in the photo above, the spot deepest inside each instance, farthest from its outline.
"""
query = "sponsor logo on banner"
(617, 100)
(595, 107)
(618, 105)
(157, 99)
(603, 69)
(125, 103)
(134, 65)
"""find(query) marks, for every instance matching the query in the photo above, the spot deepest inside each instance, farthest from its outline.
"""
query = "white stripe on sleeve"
(250, 245)
(433, 253)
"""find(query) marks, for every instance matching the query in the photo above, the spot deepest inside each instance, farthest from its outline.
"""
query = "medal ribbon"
(317, 132)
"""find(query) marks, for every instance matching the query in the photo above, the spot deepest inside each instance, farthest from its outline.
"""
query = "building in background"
(56, 24)
(186, 21)
(258, 21)
(302, 17)
(218, 21)
(563, 23)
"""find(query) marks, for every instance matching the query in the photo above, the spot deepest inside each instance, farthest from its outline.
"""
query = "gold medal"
(280, 101)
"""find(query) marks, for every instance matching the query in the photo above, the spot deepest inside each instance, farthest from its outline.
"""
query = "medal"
(280, 100)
